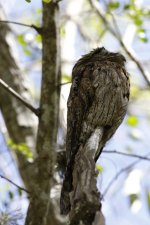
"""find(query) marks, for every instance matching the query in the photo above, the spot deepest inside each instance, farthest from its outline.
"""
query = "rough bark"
(85, 198)
(48, 121)
(20, 121)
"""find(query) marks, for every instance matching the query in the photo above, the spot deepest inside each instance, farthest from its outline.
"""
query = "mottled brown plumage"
(98, 99)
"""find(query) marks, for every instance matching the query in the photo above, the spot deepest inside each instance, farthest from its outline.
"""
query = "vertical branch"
(20, 122)
(85, 198)
(48, 124)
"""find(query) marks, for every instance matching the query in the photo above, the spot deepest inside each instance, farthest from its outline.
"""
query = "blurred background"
(124, 166)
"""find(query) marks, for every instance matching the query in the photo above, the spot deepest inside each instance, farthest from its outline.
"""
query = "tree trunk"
(48, 121)
(20, 121)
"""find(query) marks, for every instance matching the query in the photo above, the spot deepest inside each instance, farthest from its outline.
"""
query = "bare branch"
(17, 96)
(10, 181)
(38, 29)
(61, 84)
(120, 173)
(127, 154)
(115, 34)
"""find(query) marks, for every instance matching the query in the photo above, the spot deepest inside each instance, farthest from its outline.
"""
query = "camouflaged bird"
(98, 98)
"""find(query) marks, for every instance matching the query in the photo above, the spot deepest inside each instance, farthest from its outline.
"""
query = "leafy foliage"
(132, 120)
(47, 1)
(113, 5)
(99, 168)
(133, 198)
(22, 148)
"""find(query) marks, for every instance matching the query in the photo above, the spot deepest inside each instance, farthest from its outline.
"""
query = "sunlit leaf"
(148, 199)
(133, 198)
(66, 78)
(38, 38)
(21, 147)
(47, 1)
(142, 35)
(134, 91)
(21, 40)
(27, 51)
(138, 21)
(62, 31)
(113, 5)
(39, 11)
(144, 39)
(132, 121)
(99, 168)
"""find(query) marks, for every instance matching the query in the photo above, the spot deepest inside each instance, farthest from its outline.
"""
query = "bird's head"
(101, 54)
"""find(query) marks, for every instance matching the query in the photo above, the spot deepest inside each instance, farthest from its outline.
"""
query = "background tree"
(121, 22)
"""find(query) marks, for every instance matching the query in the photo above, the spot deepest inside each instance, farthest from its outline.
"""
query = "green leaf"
(21, 40)
(148, 199)
(113, 5)
(21, 147)
(133, 198)
(19, 192)
(99, 168)
(126, 7)
(132, 121)
(62, 31)
(138, 21)
(38, 38)
(27, 51)
(28, 1)
(11, 195)
(47, 1)
(144, 39)
(141, 31)
(39, 11)
(66, 78)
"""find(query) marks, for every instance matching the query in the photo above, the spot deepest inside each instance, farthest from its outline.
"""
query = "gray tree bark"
(48, 120)
(85, 198)
(21, 122)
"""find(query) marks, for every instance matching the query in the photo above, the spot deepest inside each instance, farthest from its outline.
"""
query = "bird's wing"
(79, 101)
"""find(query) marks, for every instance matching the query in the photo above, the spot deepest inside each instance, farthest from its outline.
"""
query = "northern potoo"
(98, 98)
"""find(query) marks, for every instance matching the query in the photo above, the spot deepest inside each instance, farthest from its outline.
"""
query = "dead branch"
(16, 185)
(127, 154)
(123, 170)
(19, 97)
(38, 29)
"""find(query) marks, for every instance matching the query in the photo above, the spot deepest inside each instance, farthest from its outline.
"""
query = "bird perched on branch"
(98, 98)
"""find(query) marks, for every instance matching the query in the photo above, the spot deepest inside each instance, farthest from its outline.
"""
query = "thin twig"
(115, 34)
(119, 173)
(61, 84)
(38, 29)
(17, 96)
(10, 181)
(127, 154)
